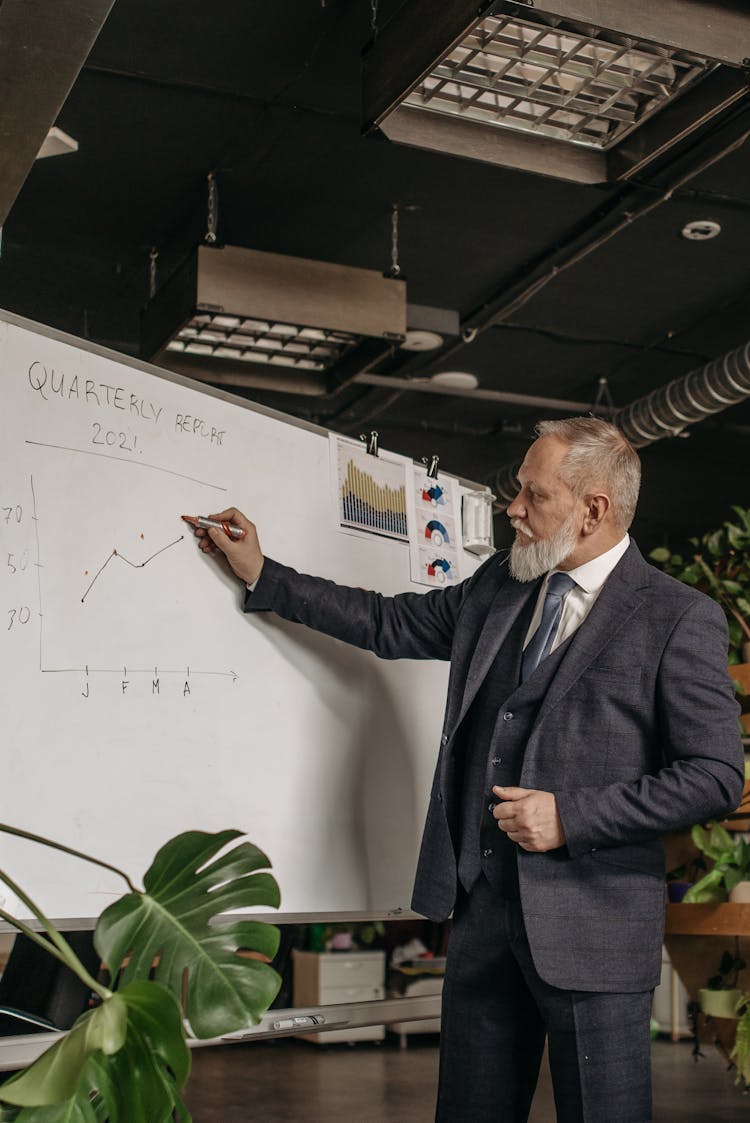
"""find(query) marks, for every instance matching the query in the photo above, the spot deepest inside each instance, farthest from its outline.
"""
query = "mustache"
(520, 526)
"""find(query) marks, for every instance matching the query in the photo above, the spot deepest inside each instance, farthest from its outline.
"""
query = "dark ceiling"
(268, 96)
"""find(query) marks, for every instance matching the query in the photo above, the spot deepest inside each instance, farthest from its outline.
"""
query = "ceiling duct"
(665, 412)
(240, 317)
(587, 90)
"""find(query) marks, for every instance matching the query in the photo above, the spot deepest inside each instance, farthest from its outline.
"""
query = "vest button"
(444, 740)
(497, 760)
(490, 807)
(487, 853)
(507, 716)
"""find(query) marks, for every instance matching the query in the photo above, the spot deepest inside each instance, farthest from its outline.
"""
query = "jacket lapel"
(509, 601)
(619, 600)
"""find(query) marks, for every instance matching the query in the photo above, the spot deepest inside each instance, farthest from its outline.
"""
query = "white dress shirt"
(589, 581)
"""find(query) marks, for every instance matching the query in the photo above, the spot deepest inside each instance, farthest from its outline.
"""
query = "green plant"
(720, 567)
(740, 1054)
(362, 932)
(731, 860)
(688, 870)
(126, 1060)
(727, 975)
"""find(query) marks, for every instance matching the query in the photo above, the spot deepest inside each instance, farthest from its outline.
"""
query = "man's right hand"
(244, 556)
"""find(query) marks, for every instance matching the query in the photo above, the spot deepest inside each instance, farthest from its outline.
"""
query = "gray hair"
(599, 456)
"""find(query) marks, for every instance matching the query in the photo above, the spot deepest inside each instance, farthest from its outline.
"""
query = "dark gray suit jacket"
(637, 735)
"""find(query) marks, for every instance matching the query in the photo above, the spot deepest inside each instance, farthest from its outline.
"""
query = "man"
(589, 711)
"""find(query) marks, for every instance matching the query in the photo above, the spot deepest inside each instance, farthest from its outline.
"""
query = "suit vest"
(497, 727)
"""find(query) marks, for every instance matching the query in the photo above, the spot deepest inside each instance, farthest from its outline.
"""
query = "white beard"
(526, 563)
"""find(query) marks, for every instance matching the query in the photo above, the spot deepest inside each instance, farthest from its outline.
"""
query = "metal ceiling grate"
(262, 341)
(577, 84)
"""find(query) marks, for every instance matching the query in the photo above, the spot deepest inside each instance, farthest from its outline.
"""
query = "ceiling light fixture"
(555, 90)
(548, 81)
(455, 379)
(231, 306)
(260, 341)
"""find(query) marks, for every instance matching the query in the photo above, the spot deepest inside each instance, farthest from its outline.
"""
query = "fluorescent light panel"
(241, 339)
(584, 86)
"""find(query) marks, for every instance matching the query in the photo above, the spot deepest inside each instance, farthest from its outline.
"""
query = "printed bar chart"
(371, 493)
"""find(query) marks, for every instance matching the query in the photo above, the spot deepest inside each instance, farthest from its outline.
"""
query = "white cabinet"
(418, 987)
(670, 1007)
(331, 978)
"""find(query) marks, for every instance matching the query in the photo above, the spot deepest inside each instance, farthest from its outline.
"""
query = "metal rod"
(407, 385)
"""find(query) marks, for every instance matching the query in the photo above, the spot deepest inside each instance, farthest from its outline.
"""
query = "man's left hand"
(529, 818)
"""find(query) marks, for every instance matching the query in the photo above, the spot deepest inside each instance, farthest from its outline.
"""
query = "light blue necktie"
(538, 647)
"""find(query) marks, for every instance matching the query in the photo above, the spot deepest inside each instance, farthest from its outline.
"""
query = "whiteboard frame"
(19, 1050)
(89, 923)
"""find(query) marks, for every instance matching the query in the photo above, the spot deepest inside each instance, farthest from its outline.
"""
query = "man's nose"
(516, 509)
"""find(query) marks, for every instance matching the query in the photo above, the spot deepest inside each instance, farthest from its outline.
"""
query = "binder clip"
(371, 440)
(476, 518)
(432, 466)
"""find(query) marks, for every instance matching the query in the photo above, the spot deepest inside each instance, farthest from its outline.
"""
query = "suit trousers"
(497, 1012)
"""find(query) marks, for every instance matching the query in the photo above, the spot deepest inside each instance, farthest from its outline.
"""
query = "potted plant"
(345, 935)
(681, 878)
(126, 1059)
(721, 997)
(730, 873)
(719, 565)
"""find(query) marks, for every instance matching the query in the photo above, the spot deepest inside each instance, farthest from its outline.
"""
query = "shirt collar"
(592, 574)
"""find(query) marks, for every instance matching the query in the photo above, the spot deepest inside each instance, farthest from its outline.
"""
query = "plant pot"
(719, 1003)
(676, 890)
(741, 893)
(746, 651)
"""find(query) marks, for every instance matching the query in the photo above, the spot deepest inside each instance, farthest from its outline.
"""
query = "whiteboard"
(138, 699)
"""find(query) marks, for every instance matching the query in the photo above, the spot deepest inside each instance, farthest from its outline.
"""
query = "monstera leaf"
(54, 1075)
(171, 930)
(124, 1062)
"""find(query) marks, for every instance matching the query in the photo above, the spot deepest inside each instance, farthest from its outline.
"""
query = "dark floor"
(295, 1081)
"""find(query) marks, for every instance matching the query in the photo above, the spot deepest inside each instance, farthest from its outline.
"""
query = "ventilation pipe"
(665, 412)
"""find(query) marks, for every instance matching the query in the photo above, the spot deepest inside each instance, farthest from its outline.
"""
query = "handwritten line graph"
(77, 663)
(135, 565)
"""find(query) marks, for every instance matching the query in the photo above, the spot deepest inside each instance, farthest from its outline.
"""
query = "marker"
(229, 529)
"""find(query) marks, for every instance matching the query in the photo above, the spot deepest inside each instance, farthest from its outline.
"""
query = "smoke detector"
(701, 230)
(417, 340)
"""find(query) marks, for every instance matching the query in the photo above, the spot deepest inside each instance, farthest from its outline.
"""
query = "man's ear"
(597, 507)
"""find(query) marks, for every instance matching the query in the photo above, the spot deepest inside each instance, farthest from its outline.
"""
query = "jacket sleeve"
(407, 626)
(702, 760)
